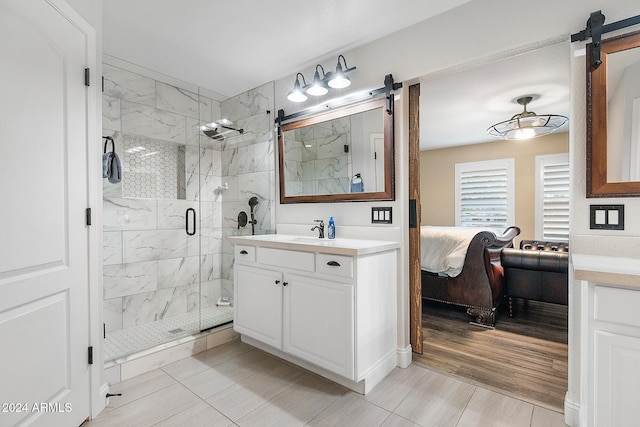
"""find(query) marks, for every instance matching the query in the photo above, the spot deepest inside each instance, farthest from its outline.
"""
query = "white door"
(44, 304)
(319, 323)
(258, 304)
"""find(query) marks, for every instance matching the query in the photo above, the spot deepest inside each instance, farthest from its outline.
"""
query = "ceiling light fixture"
(320, 86)
(527, 124)
(297, 94)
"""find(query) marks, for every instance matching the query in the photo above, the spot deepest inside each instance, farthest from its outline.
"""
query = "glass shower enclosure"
(162, 223)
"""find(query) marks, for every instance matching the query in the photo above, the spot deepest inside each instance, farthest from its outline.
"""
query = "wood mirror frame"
(389, 163)
(597, 182)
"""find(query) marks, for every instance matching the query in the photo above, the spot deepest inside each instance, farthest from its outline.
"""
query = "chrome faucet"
(319, 227)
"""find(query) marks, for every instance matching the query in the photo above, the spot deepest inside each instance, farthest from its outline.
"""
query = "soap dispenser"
(331, 229)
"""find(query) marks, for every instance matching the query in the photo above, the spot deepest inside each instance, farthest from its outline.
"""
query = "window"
(484, 194)
(552, 197)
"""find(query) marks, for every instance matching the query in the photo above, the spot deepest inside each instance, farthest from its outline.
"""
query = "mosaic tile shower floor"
(125, 342)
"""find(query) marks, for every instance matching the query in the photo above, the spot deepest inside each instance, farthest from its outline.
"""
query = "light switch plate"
(381, 215)
(606, 217)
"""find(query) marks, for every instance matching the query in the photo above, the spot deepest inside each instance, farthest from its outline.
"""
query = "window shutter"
(555, 201)
(485, 194)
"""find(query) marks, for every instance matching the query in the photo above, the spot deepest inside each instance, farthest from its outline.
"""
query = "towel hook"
(113, 144)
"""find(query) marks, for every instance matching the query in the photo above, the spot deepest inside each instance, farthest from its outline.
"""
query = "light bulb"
(296, 96)
(339, 81)
(524, 133)
(317, 89)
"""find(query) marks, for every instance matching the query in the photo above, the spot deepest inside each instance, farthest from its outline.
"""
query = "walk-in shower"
(162, 271)
(186, 173)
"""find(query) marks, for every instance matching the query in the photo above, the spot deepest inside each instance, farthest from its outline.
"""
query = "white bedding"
(443, 249)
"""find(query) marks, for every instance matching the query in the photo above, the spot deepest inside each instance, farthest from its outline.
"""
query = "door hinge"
(88, 216)
(87, 77)
(90, 355)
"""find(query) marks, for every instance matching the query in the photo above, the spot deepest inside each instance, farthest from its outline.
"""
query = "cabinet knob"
(243, 252)
(285, 283)
(277, 282)
(334, 263)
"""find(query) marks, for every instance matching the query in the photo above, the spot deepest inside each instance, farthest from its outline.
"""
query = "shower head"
(215, 130)
(213, 134)
(253, 202)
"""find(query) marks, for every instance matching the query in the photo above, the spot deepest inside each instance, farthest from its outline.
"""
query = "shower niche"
(155, 169)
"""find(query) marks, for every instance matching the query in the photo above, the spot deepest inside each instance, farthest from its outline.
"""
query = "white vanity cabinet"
(610, 342)
(260, 314)
(614, 355)
(332, 313)
(318, 323)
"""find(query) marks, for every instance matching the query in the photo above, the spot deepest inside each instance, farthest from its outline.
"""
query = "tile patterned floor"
(237, 385)
(123, 342)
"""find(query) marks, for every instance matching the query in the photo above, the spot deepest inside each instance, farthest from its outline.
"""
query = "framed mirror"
(613, 118)
(339, 156)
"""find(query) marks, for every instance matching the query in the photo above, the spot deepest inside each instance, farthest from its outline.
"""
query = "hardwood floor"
(524, 356)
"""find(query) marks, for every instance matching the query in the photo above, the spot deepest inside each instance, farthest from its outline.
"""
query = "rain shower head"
(218, 131)
(212, 133)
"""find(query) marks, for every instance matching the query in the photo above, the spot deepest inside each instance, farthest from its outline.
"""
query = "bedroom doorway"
(525, 355)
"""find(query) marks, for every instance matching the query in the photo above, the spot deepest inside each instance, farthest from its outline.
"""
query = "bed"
(461, 266)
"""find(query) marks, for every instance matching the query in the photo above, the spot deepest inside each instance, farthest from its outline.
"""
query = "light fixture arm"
(316, 76)
(524, 101)
(303, 80)
(346, 67)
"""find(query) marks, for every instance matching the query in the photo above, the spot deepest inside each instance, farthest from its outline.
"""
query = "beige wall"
(437, 176)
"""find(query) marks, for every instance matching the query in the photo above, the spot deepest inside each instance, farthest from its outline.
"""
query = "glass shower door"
(152, 288)
(151, 218)
(214, 310)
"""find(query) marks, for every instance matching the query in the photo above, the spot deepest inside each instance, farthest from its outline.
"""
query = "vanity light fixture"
(527, 124)
(297, 94)
(320, 86)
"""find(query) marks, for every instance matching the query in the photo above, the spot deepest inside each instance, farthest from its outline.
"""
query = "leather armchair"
(537, 271)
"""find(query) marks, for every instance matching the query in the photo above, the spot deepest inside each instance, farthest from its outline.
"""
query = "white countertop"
(339, 246)
(623, 272)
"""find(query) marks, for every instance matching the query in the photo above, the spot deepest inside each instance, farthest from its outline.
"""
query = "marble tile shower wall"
(248, 166)
(150, 264)
(316, 161)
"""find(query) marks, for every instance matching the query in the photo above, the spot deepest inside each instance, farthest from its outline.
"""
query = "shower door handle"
(193, 221)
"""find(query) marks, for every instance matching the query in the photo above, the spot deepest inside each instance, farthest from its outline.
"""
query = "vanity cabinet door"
(258, 304)
(319, 323)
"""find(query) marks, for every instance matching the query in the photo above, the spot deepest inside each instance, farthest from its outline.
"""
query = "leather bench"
(537, 271)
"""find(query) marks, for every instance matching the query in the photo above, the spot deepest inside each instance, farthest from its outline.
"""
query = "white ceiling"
(231, 46)
(458, 108)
